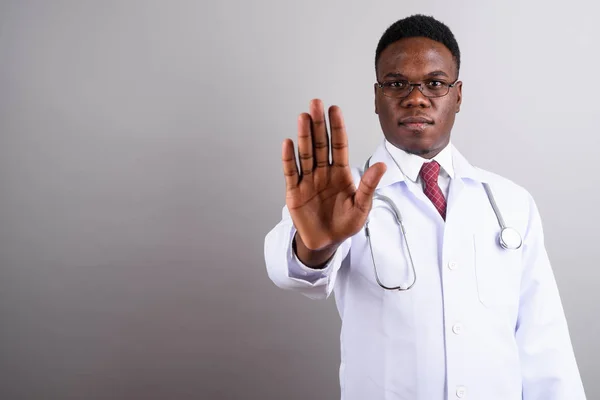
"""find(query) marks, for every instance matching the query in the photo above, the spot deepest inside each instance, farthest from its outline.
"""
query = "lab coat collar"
(462, 168)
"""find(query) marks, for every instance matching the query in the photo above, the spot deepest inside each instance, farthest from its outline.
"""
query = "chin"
(424, 150)
(419, 152)
(425, 143)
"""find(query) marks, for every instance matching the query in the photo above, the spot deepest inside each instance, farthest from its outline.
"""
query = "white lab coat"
(480, 323)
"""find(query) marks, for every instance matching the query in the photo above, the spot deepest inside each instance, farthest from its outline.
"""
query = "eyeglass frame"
(413, 85)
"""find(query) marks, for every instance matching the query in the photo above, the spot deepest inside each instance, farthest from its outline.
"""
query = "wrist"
(315, 259)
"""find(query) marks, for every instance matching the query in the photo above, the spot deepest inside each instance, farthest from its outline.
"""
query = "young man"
(435, 302)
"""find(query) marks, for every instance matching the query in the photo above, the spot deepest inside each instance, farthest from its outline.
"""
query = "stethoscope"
(508, 238)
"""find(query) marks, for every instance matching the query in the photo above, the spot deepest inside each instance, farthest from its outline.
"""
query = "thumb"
(368, 184)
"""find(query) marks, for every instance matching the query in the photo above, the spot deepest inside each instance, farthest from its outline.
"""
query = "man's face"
(417, 60)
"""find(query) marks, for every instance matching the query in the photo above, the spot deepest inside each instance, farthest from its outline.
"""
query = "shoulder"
(510, 196)
(499, 184)
(502, 184)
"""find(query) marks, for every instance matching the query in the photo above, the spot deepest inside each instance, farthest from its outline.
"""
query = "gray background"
(140, 171)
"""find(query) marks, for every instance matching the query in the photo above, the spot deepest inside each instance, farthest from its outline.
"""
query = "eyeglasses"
(402, 89)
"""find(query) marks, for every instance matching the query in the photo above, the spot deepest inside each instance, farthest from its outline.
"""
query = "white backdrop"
(140, 170)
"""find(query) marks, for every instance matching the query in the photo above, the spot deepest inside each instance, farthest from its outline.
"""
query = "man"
(432, 305)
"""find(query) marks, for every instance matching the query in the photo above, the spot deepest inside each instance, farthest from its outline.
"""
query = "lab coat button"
(453, 265)
(457, 328)
(461, 392)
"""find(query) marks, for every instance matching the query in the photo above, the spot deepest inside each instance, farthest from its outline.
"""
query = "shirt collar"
(410, 164)
(461, 168)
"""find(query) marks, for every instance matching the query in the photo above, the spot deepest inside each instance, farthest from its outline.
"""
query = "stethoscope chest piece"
(510, 239)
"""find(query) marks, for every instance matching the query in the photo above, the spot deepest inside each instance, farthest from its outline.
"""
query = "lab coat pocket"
(498, 272)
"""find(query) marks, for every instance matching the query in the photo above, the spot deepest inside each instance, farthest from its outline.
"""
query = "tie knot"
(430, 172)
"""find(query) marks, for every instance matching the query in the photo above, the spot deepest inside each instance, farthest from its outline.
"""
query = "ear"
(458, 96)
(375, 93)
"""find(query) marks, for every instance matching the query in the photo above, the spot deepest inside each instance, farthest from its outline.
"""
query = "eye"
(436, 84)
(397, 84)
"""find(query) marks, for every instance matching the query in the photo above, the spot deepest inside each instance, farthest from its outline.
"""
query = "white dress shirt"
(410, 165)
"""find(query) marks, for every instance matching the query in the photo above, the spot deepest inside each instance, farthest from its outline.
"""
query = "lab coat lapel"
(463, 169)
(464, 174)
(392, 173)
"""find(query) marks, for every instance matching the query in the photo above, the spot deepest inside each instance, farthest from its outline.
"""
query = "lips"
(411, 121)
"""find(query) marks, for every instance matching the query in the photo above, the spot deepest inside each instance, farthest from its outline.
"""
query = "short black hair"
(419, 25)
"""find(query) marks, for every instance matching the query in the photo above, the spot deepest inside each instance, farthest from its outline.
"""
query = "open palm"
(324, 203)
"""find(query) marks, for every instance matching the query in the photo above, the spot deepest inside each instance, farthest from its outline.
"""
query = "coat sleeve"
(548, 365)
(287, 272)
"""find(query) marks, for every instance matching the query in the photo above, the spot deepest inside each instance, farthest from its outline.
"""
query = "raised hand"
(324, 204)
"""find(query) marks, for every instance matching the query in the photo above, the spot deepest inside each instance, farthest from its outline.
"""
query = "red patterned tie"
(429, 173)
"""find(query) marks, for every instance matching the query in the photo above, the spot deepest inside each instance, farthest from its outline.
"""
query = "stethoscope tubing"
(508, 238)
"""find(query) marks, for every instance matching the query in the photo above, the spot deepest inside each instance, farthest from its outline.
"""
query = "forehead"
(416, 57)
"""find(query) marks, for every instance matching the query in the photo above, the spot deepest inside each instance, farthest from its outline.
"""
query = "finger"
(305, 147)
(320, 139)
(367, 186)
(290, 169)
(339, 139)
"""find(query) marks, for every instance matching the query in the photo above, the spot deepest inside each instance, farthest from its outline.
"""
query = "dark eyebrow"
(438, 73)
(394, 75)
(431, 74)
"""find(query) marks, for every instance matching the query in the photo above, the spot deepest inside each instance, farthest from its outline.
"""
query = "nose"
(415, 99)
